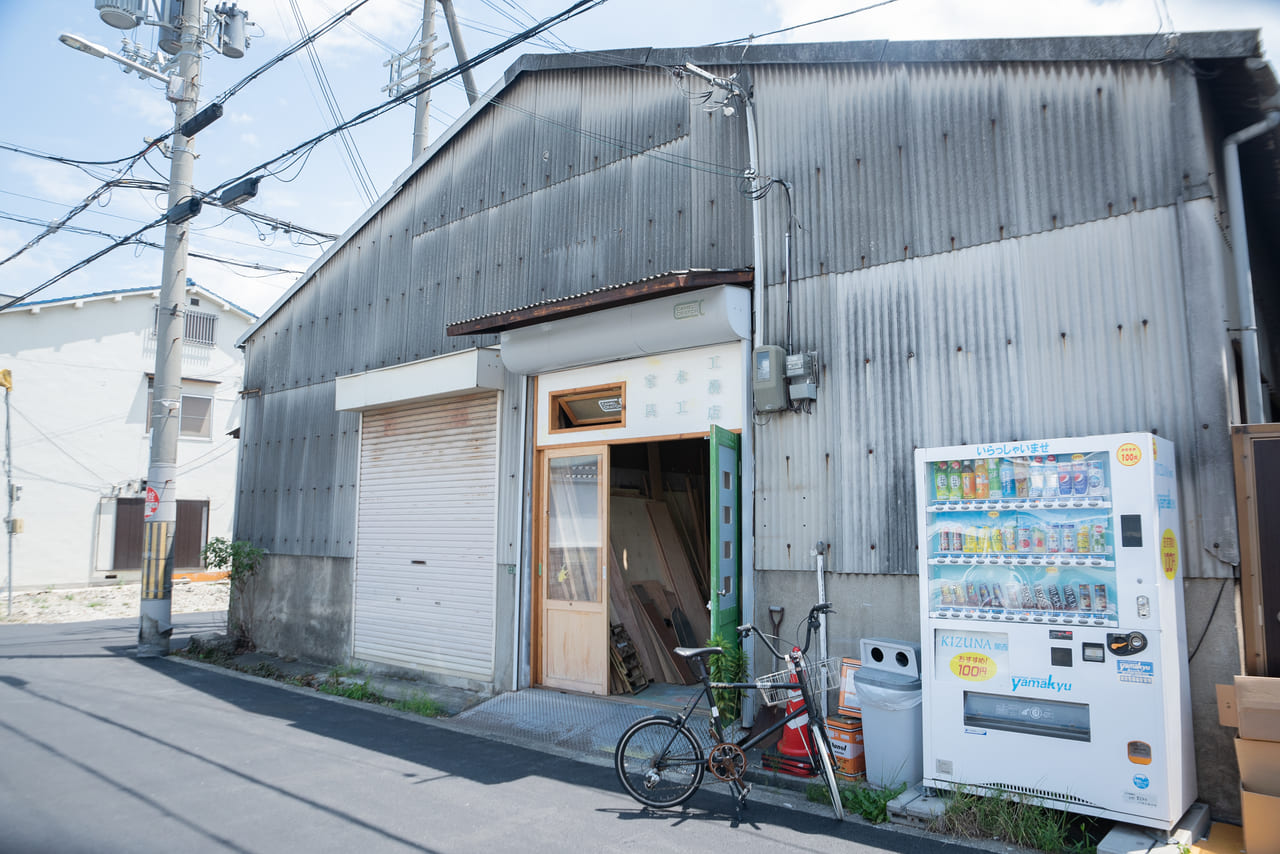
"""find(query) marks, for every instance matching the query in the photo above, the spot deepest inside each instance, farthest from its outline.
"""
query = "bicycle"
(660, 761)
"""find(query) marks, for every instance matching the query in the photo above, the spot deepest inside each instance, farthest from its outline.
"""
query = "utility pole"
(460, 50)
(426, 66)
(6, 382)
(156, 608)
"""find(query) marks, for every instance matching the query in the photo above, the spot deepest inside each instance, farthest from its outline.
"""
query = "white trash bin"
(889, 689)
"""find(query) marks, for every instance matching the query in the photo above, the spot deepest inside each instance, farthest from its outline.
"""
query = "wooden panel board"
(679, 573)
(576, 656)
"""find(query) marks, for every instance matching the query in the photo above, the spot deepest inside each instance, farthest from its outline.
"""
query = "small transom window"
(589, 408)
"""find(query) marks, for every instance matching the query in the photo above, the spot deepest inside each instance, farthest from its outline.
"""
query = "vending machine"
(1051, 613)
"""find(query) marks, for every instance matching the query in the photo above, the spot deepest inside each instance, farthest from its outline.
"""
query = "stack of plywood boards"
(653, 590)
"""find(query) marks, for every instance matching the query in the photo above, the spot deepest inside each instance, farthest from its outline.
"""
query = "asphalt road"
(103, 752)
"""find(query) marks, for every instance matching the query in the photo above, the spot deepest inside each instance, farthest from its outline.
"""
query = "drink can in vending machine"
(1067, 533)
(1064, 477)
(984, 540)
(981, 482)
(1098, 542)
(956, 596)
(1042, 602)
(1100, 598)
(984, 596)
(1083, 538)
(1013, 595)
(995, 489)
(970, 540)
(1028, 601)
(1069, 597)
(997, 539)
(1055, 597)
(997, 596)
(1096, 486)
(1010, 535)
(966, 480)
(970, 593)
(1024, 539)
(941, 483)
(1079, 477)
(1038, 539)
(1053, 539)
(1020, 476)
(1084, 598)
(945, 599)
(954, 485)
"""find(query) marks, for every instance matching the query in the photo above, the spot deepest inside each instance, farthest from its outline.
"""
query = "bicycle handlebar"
(813, 623)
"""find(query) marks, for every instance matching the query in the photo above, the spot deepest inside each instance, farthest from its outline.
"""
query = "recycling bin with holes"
(889, 689)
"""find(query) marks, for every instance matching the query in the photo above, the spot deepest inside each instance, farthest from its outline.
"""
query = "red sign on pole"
(153, 503)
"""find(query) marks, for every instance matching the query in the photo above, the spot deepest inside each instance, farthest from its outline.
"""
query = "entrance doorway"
(638, 554)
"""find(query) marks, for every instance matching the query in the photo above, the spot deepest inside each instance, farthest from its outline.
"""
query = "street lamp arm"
(86, 46)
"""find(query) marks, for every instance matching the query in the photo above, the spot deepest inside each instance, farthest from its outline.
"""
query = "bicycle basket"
(775, 688)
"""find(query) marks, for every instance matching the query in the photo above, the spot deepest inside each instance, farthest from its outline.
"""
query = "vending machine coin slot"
(1130, 530)
(1122, 644)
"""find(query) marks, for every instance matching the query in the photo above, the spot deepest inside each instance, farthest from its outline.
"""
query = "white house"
(82, 371)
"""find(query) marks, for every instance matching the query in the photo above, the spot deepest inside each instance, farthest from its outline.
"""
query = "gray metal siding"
(910, 182)
(1068, 333)
(898, 161)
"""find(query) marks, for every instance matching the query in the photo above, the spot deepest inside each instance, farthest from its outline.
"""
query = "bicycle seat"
(694, 652)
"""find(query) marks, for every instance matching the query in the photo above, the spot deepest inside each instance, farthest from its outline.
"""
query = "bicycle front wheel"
(822, 748)
(659, 762)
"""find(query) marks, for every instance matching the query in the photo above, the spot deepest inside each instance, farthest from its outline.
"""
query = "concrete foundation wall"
(297, 606)
(888, 606)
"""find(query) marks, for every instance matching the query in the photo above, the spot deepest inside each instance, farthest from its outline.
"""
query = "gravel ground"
(72, 605)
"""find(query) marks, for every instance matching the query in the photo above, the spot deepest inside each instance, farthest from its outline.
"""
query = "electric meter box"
(768, 378)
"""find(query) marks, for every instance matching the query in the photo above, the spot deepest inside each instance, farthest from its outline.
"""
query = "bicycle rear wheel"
(822, 748)
(659, 762)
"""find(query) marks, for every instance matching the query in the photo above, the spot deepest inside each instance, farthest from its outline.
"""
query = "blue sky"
(62, 102)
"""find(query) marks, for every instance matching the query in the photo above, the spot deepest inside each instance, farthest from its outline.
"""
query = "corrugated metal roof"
(549, 309)
(1152, 48)
(123, 292)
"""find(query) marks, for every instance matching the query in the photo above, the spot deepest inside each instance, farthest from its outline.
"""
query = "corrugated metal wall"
(1072, 332)
(956, 221)
(570, 180)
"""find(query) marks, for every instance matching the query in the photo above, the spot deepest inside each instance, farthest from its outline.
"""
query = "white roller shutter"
(426, 536)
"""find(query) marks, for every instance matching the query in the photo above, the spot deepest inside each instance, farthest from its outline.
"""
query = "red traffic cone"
(795, 735)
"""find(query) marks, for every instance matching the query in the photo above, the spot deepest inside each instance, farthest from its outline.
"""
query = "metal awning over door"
(426, 536)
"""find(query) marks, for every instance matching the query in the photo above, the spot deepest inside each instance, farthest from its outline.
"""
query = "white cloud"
(947, 19)
(250, 139)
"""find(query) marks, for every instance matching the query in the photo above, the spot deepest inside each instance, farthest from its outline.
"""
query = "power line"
(409, 94)
(806, 24)
(84, 263)
(359, 171)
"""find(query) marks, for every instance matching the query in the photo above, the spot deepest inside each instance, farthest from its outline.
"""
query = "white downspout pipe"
(1253, 404)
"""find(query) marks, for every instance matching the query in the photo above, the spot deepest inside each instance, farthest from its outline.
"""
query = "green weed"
(361, 691)
(866, 800)
(1002, 816)
(419, 704)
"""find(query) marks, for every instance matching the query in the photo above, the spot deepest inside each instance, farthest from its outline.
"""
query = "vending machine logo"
(1139, 672)
(1141, 781)
(1129, 454)
(973, 667)
(1047, 683)
(1169, 553)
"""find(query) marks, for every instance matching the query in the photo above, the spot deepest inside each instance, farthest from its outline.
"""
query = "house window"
(588, 408)
(195, 412)
(199, 327)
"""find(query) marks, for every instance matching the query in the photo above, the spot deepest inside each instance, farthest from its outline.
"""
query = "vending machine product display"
(1052, 625)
